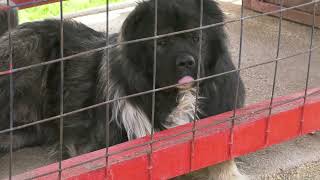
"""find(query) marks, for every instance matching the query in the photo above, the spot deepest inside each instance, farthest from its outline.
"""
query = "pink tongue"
(185, 79)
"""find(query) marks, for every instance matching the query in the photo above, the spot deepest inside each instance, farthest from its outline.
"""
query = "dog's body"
(89, 80)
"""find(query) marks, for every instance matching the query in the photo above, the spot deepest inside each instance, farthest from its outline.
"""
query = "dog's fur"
(130, 71)
(5, 14)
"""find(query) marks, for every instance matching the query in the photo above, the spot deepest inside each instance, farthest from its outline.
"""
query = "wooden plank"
(292, 3)
(22, 4)
(295, 15)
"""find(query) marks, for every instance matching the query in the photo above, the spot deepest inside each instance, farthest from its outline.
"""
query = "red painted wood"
(22, 4)
(296, 15)
(284, 126)
(249, 137)
(211, 150)
(171, 156)
(311, 118)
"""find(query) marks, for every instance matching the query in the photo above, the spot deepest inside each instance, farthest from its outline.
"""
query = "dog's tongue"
(185, 80)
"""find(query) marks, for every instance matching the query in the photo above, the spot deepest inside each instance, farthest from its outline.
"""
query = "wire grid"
(11, 90)
(197, 86)
(107, 102)
(154, 76)
(107, 132)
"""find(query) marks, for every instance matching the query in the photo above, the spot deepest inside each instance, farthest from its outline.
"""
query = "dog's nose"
(185, 61)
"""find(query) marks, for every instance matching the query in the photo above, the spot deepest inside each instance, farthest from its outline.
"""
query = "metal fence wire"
(156, 36)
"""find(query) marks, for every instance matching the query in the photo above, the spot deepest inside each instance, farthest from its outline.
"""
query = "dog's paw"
(226, 171)
(55, 151)
(69, 150)
(228, 176)
(239, 177)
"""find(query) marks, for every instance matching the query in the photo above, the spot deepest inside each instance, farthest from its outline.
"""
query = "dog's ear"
(215, 36)
(217, 44)
(131, 28)
(4, 11)
(212, 12)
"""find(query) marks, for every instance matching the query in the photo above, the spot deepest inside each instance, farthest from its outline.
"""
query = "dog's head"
(177, 55)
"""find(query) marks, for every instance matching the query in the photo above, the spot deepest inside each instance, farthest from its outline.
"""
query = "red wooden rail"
(32, 3)
(171, 156)
(22, 4)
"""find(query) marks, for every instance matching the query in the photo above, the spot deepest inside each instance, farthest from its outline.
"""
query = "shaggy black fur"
(36, 91)
(4, 14)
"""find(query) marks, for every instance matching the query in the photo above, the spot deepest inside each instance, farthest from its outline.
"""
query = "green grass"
(52, 10)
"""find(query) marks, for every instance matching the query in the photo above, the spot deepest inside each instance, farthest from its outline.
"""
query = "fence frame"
(285, 118)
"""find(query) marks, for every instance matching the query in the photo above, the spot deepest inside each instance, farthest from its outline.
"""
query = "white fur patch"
(133, 119)
(184, 112)
(225, 171)
(136, 122)
(124, 113)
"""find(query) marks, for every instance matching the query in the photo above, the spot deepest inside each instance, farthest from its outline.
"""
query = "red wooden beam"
(22, 4)
(295, 15)
(172, 148)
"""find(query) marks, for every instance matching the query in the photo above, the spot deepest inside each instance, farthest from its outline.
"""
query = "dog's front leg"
(225, 171)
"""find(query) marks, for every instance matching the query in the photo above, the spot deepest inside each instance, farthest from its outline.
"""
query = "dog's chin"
(185, 86)
(185, 83)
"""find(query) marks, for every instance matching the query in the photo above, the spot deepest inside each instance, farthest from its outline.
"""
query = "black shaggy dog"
(37, 90)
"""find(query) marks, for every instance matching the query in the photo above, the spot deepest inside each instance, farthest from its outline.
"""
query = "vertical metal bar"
(192, 154)
(106, 58)
(61, 90)
(231, 138)
(11, 89)
(308, 69)
(150, 162)
(267, 132)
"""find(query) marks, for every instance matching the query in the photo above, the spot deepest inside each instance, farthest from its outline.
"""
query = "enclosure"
(278, 60)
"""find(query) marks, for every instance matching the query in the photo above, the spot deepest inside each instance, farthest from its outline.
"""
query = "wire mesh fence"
(63, 61)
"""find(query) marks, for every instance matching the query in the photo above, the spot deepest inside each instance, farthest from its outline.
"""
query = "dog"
(123, 70)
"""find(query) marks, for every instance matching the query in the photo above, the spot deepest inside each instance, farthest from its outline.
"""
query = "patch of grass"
(52, 10)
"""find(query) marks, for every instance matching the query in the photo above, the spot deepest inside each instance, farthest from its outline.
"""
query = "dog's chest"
(186, 110)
